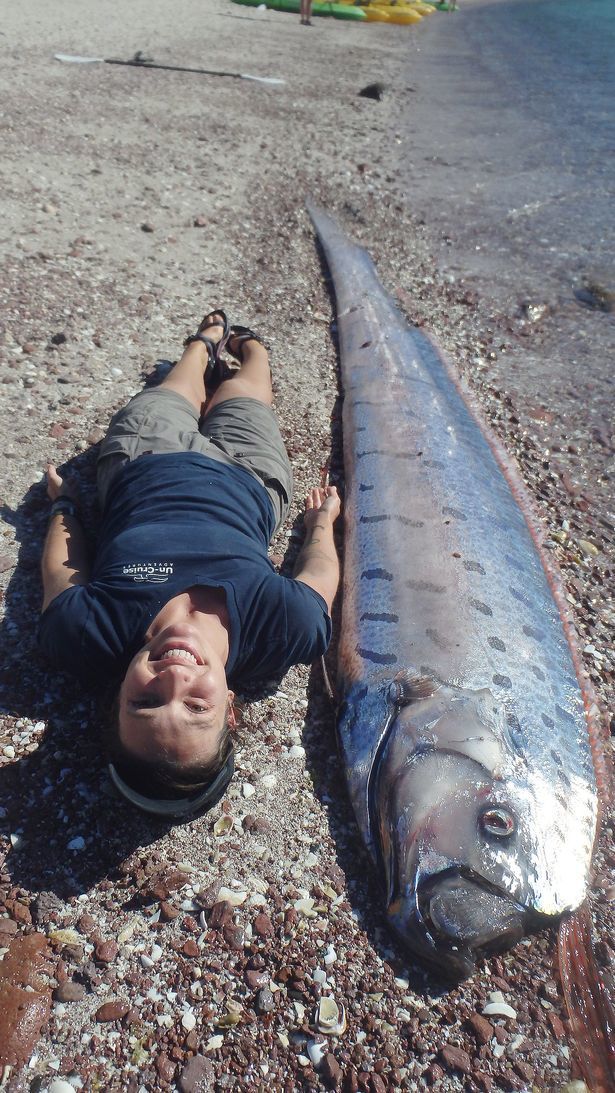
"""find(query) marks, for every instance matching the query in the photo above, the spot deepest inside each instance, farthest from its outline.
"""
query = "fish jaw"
(450, 921)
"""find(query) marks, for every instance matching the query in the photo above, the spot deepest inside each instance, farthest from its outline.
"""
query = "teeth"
(179, 654)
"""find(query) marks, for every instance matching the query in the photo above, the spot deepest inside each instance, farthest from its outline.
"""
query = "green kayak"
(336, 11)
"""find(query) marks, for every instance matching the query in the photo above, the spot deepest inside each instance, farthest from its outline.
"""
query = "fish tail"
(590, 1010)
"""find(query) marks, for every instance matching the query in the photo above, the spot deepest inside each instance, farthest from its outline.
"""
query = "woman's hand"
(322, 501)
(57, 487)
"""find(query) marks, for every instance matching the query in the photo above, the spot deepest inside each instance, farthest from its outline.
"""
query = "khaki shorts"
(242, 432)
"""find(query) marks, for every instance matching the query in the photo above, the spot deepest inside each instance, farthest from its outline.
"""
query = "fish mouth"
(453, 919)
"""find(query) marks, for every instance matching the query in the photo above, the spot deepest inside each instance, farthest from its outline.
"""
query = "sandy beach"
(192, 957)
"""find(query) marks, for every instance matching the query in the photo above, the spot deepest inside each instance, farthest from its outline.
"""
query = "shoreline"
(136, 201)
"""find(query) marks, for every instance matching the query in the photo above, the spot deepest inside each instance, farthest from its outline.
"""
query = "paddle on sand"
(137, 62)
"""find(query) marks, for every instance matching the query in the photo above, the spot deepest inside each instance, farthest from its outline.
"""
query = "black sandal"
(214, 349)
(243, 334)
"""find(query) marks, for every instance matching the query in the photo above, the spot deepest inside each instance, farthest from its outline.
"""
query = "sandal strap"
(245, 334)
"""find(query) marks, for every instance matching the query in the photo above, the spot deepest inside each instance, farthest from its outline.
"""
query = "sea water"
(507, 153)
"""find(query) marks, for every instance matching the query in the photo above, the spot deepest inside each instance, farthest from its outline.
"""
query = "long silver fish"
(467, 727)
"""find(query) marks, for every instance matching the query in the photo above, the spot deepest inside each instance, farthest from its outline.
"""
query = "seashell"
(305, 907)
(232, 896)
(213, 1043)
(330, 956)
(222, 826)
(330, 1017)
(499, 1009)
(188, 1021)
(316, 1051)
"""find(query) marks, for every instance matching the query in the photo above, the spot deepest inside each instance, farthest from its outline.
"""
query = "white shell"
(330, 1017)
(499, 1009)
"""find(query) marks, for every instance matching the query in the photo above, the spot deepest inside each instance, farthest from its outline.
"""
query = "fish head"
(452, 834)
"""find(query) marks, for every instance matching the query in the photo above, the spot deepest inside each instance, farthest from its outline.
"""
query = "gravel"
(195, 957)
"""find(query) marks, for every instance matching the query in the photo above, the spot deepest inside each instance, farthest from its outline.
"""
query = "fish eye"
(499, 822)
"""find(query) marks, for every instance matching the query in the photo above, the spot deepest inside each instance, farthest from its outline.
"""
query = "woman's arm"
(65, 561)
(318, 565)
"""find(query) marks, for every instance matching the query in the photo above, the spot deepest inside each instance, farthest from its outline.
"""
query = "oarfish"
(468, 730)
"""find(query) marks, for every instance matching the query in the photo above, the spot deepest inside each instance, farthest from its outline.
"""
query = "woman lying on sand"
(181, 599)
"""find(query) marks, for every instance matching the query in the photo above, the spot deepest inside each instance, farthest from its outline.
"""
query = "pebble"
(197, 1075)
(247, 789)
(269, 781)
(455, 1058)
(78, 843)
(316, 1049)
(296, 752)
(188, 1021)
(214, 1043)
(69, 992)
(58, 1085)
(265, 1001)
(111, 1011)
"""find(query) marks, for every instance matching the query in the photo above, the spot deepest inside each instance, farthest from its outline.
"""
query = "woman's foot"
(213, 334)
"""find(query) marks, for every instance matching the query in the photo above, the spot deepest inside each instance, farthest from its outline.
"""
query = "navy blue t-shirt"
(172, 522)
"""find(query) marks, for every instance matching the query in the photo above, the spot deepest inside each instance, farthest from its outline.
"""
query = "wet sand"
(134, 201)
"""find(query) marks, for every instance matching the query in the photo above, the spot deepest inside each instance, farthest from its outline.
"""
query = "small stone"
(455, 1058)
(433, 1074)
(165, 1067)
(256, 979)
(265, 1001)
(200, 221)
(111, 1011)
(331, 1071)
(197, 1076)
(375, 91)
(59, 338)
(188, 1021)
(481, 1027)
(524, 1070)
(147, 227)
(86, 923)
(263, 926)
(190, 948)
(106, 951)
(58, 1085)
(78, 843)
(69, 992)
(499, 1009)
(168, 912)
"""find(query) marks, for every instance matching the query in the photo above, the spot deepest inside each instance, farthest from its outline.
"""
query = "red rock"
(524, 1070)
(200, 222)
(377, 1084)
(221, 915)
(165, 1067)
(22, 1016)
(481, 1027)
(106, 951)
(190, 948)
(483, 1081)
(111, 1011)
(8, 929)
(197, 1076)
(168, 912)
(69, 991)
(455, 1058)
(433, 1074)
(557, 1027)
(263, 926)
(256, 979)
(57, 431)
(85, 924)
(6, 562)
(19, 912)
(27, 958)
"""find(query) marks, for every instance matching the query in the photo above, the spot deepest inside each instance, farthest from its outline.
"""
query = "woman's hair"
(161, 777)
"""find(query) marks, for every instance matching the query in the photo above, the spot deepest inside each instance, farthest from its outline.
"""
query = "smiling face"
(174, 698)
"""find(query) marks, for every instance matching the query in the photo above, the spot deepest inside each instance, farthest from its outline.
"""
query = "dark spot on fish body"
(515, 733)
(360, 428)
(365, 402)
(376, 575)
(482, 607)
(457, 513)
(379, 616)
(556, 757)
(437, 463)
(391, 452)
(474, 567)
(364, 487)
(502, 681)
(548, 721)
(365, 345)
(437, 639)
(406, 521)
(425, 586)
(538, 672)
(565, 715)
(514, 562)
(497, 643)
(520, 596)
(533, 632)
(376, 658)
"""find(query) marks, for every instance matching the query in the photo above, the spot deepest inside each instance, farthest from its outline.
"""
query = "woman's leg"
(252, 380)
(187, 377)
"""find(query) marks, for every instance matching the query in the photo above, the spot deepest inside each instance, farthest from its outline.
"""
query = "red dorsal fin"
(590, 1011)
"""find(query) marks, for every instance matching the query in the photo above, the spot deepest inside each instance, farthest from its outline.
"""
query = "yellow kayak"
(402, 15)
